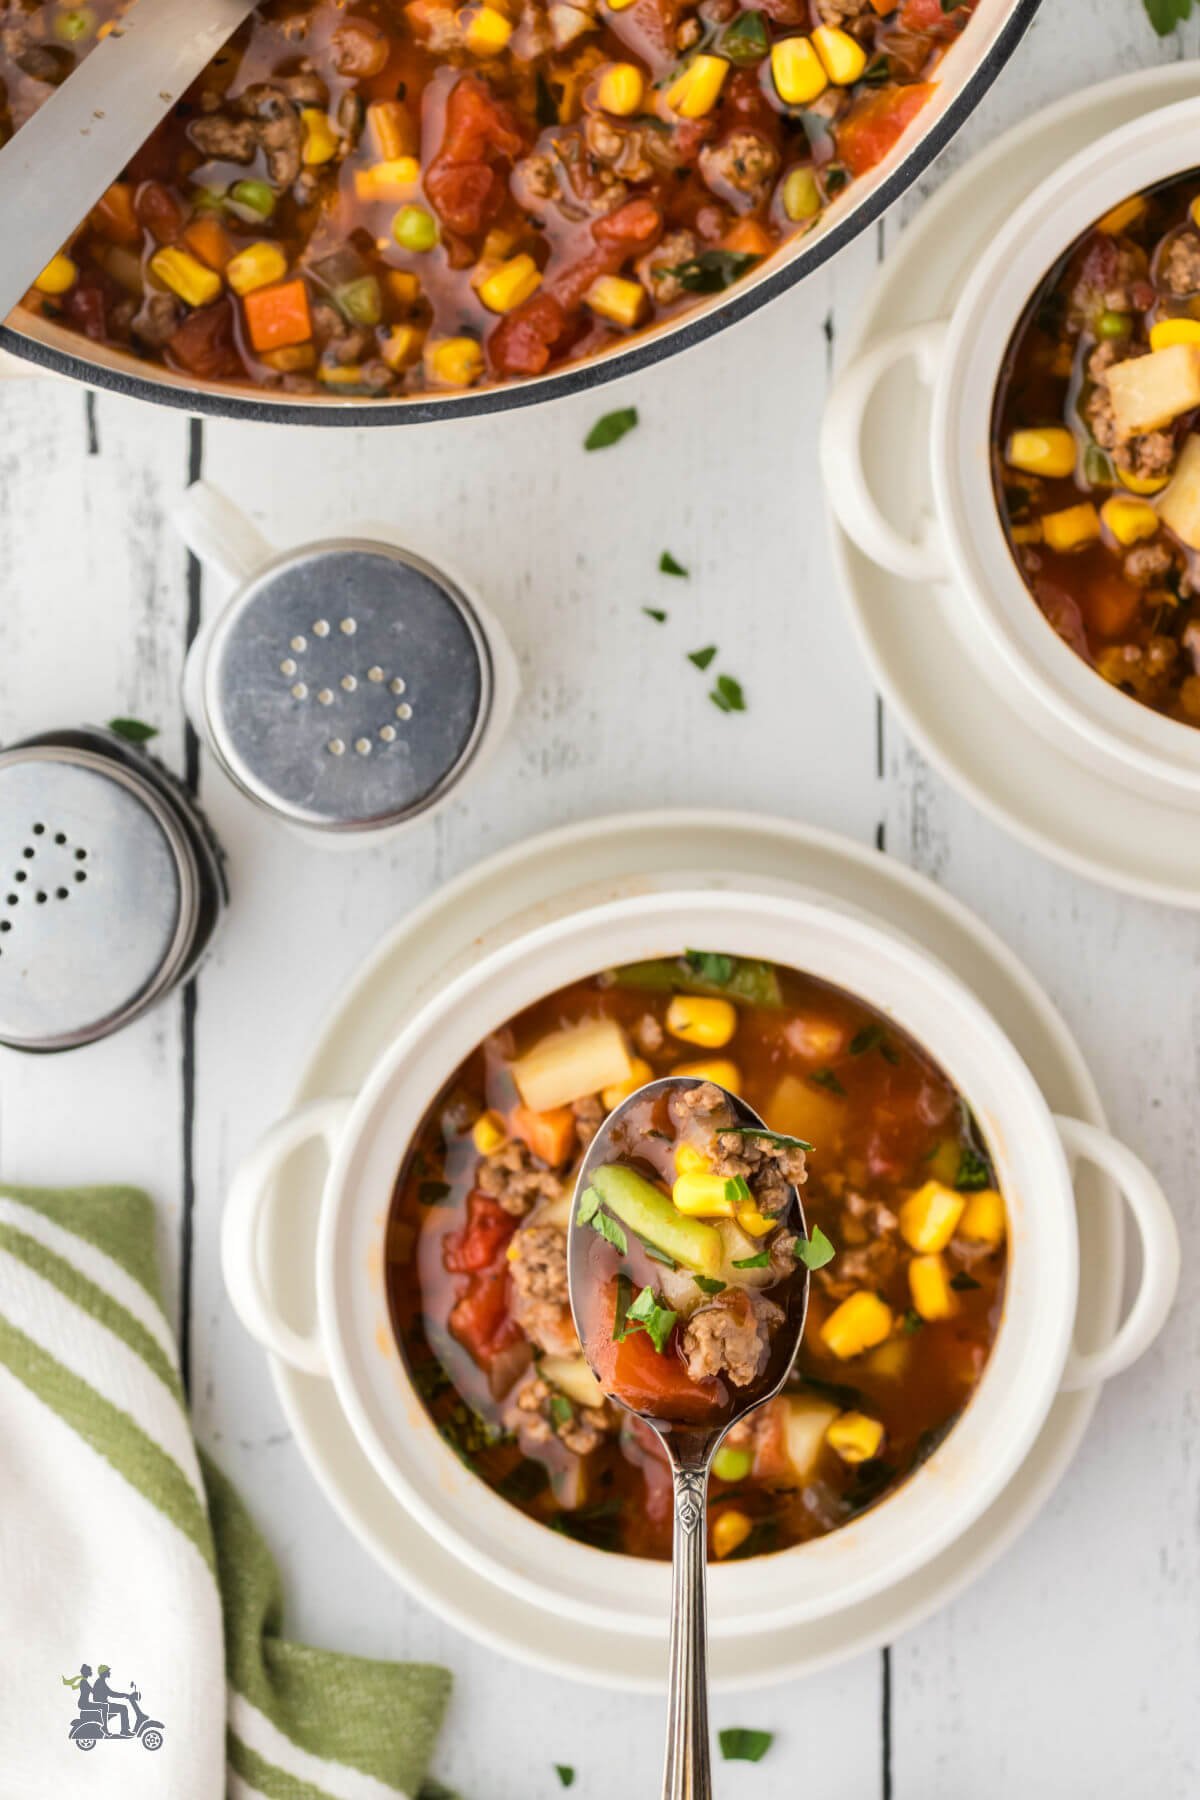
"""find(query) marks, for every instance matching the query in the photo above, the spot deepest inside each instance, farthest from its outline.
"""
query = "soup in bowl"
(939, 1331)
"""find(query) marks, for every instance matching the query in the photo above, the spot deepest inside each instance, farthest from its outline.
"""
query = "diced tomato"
(480, 1318)
(113, 215)
(524, 340)
(85, 307)
(930, 16)
(644, 1378)
(871, 129)
(203, 344)
(482, 1239)
(462, 181)
(159, 211)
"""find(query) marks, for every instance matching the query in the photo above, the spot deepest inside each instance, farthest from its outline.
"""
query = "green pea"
(76, 23)
(361, 302)
(252, 199)
(1113, 325)
(730, 1464)
(415, 229)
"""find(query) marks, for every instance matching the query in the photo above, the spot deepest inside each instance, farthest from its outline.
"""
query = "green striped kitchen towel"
(127, 1561)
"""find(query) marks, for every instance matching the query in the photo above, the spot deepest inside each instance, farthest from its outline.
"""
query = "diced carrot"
(208, 239)
(748, 238)
(550, 1135)
(876, 124)
(1110, 603)
(113, 215)
(278, 316)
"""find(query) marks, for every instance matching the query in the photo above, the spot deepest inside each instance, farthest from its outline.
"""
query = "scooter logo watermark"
(106, 1714)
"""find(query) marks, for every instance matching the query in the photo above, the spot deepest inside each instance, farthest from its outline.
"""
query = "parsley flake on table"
(656, 613)
(741, 1744)
(815, 1251)
(728, 695)
(702, 658)
(1165, 15)
(611, 428)
(134, 731)
(565, 1773)
(668, 565)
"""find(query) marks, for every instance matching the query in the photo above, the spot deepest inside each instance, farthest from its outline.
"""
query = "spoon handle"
(688, 1773)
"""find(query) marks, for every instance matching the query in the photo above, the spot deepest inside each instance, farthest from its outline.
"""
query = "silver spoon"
(687, 1774)
(76, 145)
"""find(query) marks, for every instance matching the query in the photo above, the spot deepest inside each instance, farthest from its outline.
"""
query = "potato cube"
(1149, 391)
(855, 1436)
(930, 1287)
(584, 1059)
(1179, 507)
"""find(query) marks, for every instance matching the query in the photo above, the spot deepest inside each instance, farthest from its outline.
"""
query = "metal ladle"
(75, 146)
(687, 1774)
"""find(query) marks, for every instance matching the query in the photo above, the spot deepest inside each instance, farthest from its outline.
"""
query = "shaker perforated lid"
(348, 685)
(100, 896)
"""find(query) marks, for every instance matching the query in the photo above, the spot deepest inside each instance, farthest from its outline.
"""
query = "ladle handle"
(688, 1772)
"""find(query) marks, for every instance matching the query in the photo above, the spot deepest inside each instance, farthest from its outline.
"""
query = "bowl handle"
(241, 1232)
(1160, 1253)
(842, 432)
(219, 534)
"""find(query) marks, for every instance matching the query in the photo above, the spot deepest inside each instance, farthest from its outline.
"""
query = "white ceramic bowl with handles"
(367, 1136)
(963, 545)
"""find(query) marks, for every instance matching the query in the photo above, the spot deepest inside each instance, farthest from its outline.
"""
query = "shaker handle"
(1160, 1253)
(842, 432)
(242, 1228)
(218, 533)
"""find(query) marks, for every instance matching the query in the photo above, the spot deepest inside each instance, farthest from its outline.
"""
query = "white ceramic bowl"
(964, 545)
(1032, 1357)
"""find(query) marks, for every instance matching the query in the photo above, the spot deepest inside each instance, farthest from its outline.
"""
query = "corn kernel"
(1122, 217)
(929, 1218)
(618, 5)
(801, 195)
(59, 275)
(690, 1161)
(320, 139)
(404, 286)
(843, 57)
(756, 1223)
(797, 71)
(186, 276)
(402, 347)
(1048, 450)
(1142, 484)
(1174, 331)
(1072, 528)
(290, 359)
(621, 89)
(1030, 533)
(620, 301)
(726, 1074)
(393, 180)
(391, 128)
(709, 1023)
(489, 1132)
(855, 1436)
(704, 1196)
(695, 91)
(485, 31)
(640, 1073)
(454, 362)
(510, 284)
(930, 1287)
(256, 266)
(340, 375)
(858, 1324)
(984, 1220)
(1129, 520)
(732, 1464)
(730, 1529)
(890, 1360)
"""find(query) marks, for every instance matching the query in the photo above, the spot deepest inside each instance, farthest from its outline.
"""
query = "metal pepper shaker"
(349, 686)
(111, 886)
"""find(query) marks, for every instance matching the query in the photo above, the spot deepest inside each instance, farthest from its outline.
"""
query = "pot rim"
(782, 272)
(1147, 747)
(933, 1506)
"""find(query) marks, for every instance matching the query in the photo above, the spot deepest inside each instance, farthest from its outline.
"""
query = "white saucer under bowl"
(957, 703)
(543, 879)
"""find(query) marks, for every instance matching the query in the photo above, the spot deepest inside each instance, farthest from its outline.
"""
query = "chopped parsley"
(133, 730)
(962, 1283)
(737, 1189)
(761, 1261)
(815, 1251)
(588, 1206)
(780, 1138)
(744, 42)
(866, 1039)
(655, 1320)
(656, 613)
(1164, 15)
(611, 428)
(433, 1193)
(565, 1773)
(653, 1251)
(610, 1230)
(973, 1172)
(666, 562)
(710, 965)
(912, 1321)
(702, 658)
(561, 1410)
(711, 271)
(741, 1744)
(727, 696)
(708, 1285)
(825, 1078)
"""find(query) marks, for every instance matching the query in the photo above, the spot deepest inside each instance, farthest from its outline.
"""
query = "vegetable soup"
(906, 1249)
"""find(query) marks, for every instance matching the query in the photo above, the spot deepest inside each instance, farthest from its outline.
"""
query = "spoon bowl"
(690, 1443)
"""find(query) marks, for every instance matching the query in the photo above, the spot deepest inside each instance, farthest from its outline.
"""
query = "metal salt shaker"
(111, 886)
(349, 686)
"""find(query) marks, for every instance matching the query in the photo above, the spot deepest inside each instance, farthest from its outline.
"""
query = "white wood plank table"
(1071, 1670)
